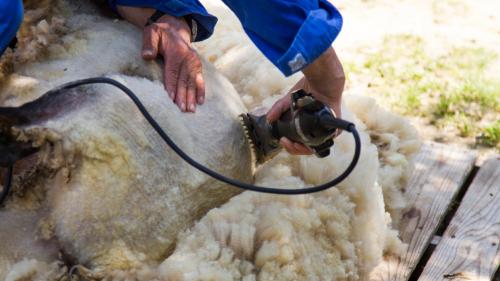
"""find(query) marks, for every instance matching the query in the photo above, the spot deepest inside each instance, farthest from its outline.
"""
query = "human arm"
(325, 79)
(294, 35)
(170, 38)
(297, 36)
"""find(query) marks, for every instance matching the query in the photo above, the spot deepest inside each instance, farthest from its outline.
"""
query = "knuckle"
(192, 57)
(200, 84)
(181, 47)
(172, 72)
(183, 81)
(195, 59)
(149, 29)
(197, 64)
(200, 76)
(191, 86)
(156, 27)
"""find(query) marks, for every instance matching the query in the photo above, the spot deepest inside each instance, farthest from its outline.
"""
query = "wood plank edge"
(425, 255)
(485, 168)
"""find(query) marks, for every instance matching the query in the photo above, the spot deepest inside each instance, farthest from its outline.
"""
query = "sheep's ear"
(50, 105)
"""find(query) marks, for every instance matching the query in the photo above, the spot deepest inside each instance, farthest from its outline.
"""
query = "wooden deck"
(453, 228)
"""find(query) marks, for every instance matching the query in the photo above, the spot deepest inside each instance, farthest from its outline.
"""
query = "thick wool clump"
(40, 34)
(397, 142)
(260, 84)
(338, 234)
(35, 270)
(24, 255)
(266, 237)
(259, 237)
(115, 200)
(42, 30)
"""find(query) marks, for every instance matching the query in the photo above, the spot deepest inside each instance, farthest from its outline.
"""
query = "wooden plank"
(470, 247)
(439, 172)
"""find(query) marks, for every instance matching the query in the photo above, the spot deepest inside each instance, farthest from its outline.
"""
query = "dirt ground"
(439, 27)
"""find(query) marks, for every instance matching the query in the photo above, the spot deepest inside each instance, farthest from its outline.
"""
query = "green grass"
(470, 97)
(490, 135)
(449, 90)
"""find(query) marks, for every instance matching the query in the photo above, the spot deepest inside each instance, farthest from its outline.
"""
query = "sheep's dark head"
(50, 105)
(12, 150)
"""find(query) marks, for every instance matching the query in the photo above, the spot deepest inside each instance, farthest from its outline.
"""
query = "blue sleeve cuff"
(314, 37)
(179, 8)
(291, 34)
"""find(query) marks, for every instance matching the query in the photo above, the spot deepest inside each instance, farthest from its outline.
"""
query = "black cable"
(7, 183)
(192, 162)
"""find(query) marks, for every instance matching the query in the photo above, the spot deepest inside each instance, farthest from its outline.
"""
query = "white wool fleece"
(338, 234)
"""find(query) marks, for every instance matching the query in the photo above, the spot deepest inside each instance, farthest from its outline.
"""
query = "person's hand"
(170, 37)
(324, 79)
(280, 107)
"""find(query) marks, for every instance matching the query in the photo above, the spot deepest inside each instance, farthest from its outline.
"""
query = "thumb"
(150, 39)
(279, 108)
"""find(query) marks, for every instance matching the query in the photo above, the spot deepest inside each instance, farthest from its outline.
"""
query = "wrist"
(141, 17)
(326, 65)
(173, 21)
(135, 15)
(326, 78)
(178, 24)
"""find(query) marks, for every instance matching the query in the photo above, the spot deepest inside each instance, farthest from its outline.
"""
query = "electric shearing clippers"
(308, 121)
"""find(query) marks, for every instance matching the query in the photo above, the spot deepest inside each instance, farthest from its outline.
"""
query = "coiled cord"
(285, 191)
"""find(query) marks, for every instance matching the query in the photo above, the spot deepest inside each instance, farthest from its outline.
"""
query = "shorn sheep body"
(105, 198)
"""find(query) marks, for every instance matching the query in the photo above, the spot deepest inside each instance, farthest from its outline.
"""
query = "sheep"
(260, 84)
(338, 234)
(99, 161)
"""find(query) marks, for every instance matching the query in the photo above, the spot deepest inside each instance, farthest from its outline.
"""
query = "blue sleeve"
(290, 33)
(178, 8)
(11, 16)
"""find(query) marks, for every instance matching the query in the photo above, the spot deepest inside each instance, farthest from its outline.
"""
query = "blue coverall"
(11, 15)
(290, 33)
